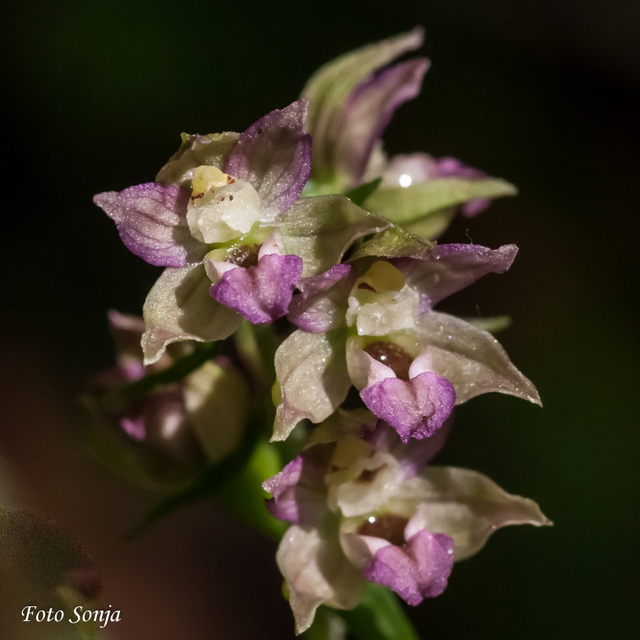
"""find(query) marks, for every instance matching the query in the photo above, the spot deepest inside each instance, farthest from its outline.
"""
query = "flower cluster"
(301, 224)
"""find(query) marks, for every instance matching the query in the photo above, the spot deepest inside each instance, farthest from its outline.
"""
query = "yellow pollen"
(206, 178)
(383, 277)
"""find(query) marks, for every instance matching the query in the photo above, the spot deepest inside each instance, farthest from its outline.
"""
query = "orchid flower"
(170, 433)
(210, 219)
(380, 334)
(352, 100)
(368, 509)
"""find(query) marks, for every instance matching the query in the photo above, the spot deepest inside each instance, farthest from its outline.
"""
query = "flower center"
(221, 207)
(382, 277)
(395, 357)
(388, 526)
(245, 256)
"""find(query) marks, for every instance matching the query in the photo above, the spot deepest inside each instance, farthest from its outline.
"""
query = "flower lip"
(388, 526)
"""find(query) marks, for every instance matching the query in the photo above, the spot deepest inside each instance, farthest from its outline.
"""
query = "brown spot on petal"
(244, 256)
(395, 357)
(389, 526)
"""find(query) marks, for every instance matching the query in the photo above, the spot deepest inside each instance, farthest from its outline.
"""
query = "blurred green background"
(545, 94)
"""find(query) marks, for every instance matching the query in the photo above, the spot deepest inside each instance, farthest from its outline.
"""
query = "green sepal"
(322, 228)
(406, 204)
(393, 242)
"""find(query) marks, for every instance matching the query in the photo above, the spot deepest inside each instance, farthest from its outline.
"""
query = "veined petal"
(312, 377)
(196, 150)
(368, 111)
(322, 301)
(329, 88)
(415, 409)
(321, 229)
(261, 293)
(471, 359)
(274, 155)
(469, 507)
(419, 569)
(179, 308)
(317, 572)
(299, 492)
(448, 268)
(151, 220)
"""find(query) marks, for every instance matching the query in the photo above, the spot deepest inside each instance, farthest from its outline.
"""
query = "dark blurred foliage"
(545, 94)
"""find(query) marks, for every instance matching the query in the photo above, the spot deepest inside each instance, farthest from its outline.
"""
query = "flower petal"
(299, 492)
(452, 267)
(274, 155)
(322, 228)
(471, 359)
(261, 293)
(329, 88)
(404, 205)
(217, 402)
(469, 507)
(317, 572)
(417, 570)
(179, 308)
(368, 111)
(342, 424)
(313, 380)
(415, 409)
(151, 220)
(322, 303)
(196, 150)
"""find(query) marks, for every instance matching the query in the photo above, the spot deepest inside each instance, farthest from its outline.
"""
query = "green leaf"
(321, 229)
(406, 204)
(360, 194)
(379, 616)
(393, 242)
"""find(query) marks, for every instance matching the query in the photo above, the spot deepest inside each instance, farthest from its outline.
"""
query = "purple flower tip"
(416, 408)
(261, 293)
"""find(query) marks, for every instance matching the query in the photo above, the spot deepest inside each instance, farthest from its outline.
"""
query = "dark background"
(544, 93)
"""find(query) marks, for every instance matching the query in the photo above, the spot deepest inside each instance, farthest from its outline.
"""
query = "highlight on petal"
(417, 201)
(312, 377)
(261, 293)
(329, 88)
(179, 308)
(274, 155)
(316, 572)
(299, 492)
(469, 507)
(416, 408)
(151, 220)
(471, 359)
(367, 113)
(416, 570)
(448, 268)
(196, 150)
(321, 304)
(321, 229)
